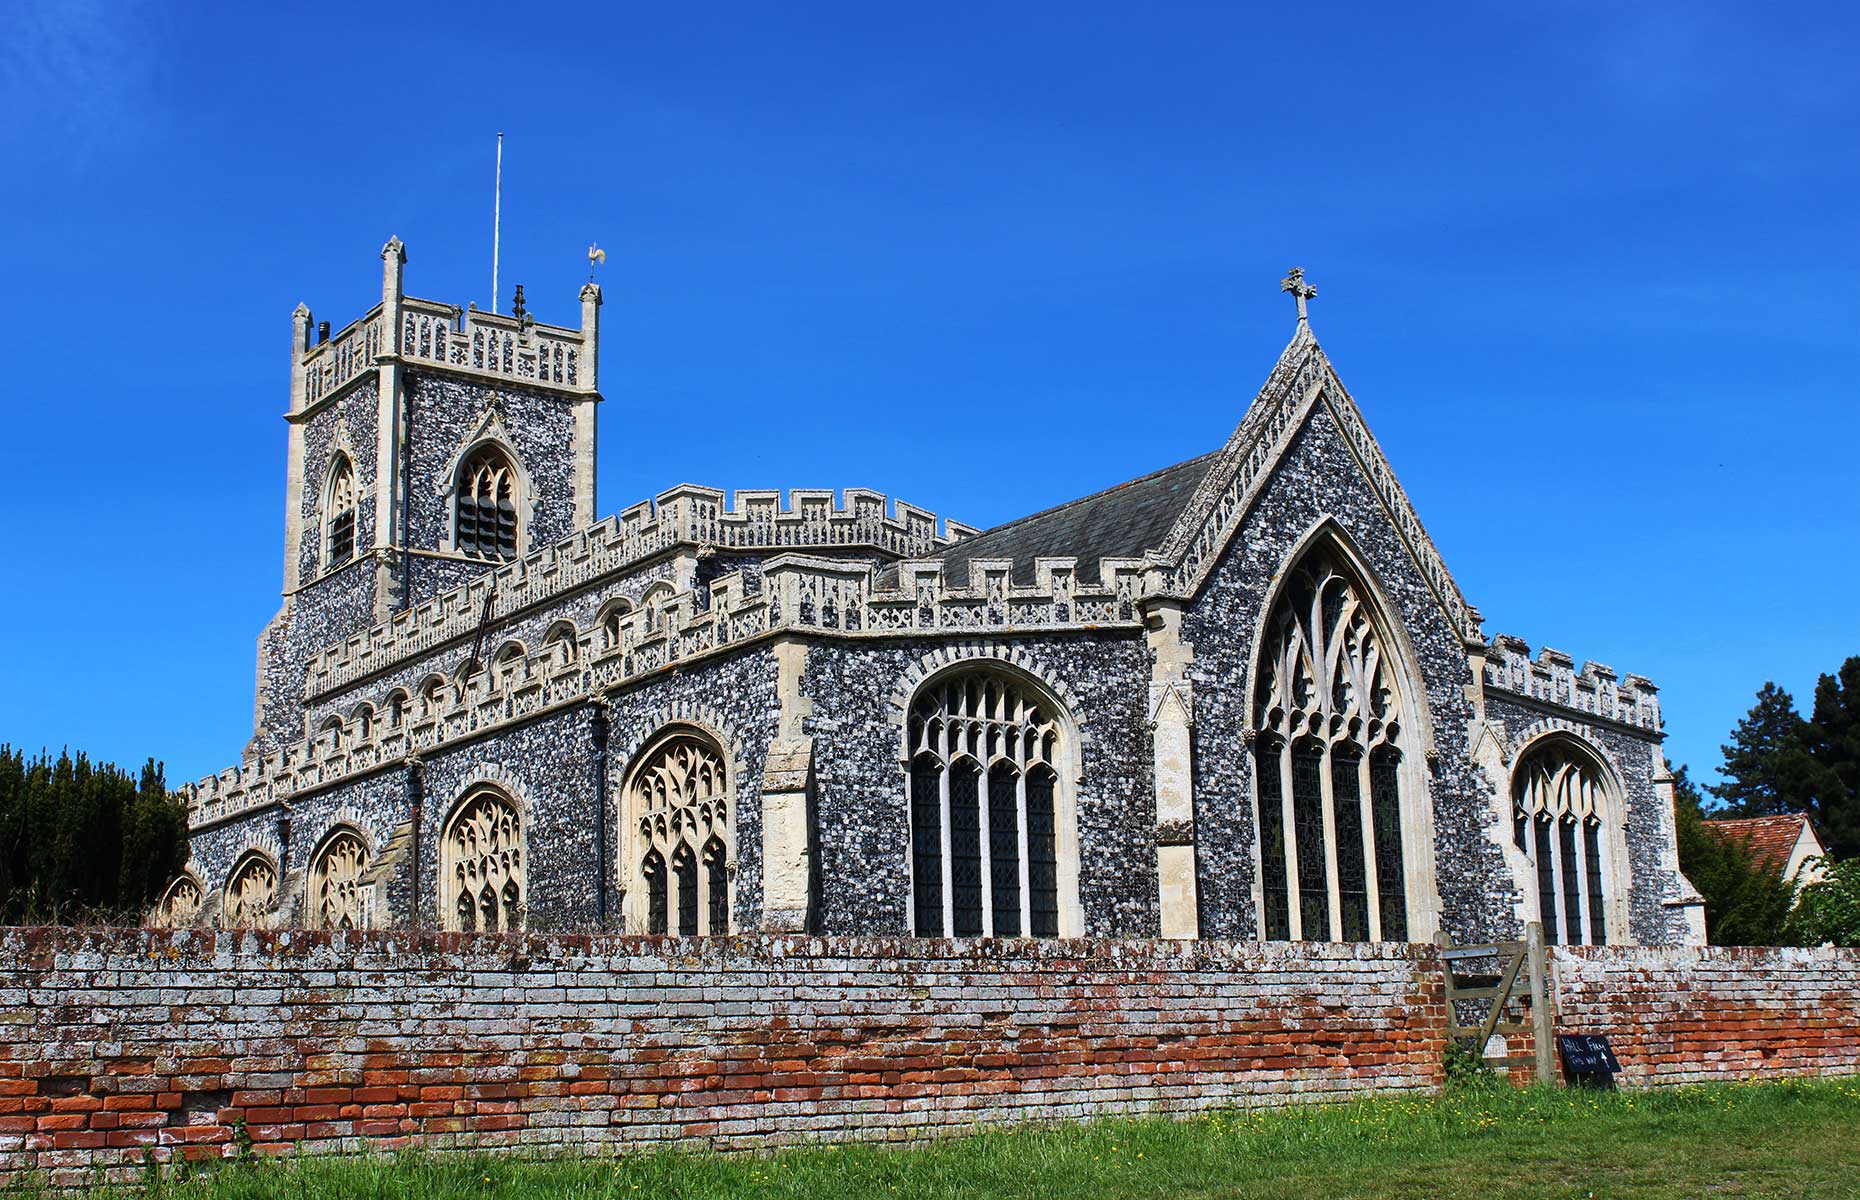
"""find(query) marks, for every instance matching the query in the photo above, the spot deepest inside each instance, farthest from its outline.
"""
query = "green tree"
(1767, 769)
(1745, 904)
(1829, 909)
(82, 841)
(1832, 739)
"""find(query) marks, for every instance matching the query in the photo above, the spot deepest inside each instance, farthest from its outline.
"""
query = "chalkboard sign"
(1588, 1058)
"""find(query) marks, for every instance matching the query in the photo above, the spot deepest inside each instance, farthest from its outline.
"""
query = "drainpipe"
(599, 726)
(416, 797)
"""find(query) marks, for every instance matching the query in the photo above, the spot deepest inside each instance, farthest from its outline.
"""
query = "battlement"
(797, 592)
(1553, 679)
(686, 515)
(509, 348)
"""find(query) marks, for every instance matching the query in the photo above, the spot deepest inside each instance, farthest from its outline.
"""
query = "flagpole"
(497, 216)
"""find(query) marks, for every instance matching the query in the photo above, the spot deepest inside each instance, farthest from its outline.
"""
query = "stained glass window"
(1004, 848)
(1352, 875)
(1560, 782)
(1391, 869)
(996, 821)
(1308, 835)
(965, 848)
(1042, 860)
(1327, 686)
(1272, 842)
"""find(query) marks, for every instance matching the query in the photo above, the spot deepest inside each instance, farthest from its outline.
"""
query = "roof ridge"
(1061, 507)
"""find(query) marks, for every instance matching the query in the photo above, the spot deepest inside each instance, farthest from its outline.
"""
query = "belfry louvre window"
(487, 508)
(1327, 755)
(677, 837)
(983, 783)
(483, 866)
(339, 515)
(1558, 798)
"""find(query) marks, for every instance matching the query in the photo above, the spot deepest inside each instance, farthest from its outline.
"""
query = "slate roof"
(1119, 522)
(1770, 838)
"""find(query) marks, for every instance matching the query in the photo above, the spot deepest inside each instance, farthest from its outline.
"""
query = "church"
(1241, 697)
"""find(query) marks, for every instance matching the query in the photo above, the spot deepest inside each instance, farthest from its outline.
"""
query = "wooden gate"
(1514, 998)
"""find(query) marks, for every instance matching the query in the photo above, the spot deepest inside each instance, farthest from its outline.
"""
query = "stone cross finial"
(1301, 291)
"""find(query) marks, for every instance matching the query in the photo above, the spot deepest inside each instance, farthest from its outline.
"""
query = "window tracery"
(180, 904)
(250, 891)
(335, 882)
(482, 875)
(983, 784)
(486, 506)
(1559, 797)
(680, 813)
(339, 515)
(1327, 753)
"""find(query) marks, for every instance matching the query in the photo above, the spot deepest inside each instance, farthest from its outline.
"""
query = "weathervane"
(597, 257)
(1300, 290)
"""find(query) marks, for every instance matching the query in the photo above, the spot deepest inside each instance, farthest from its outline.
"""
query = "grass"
(1792, 1138)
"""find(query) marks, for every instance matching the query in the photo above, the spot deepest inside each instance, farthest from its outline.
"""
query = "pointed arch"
(181, 901)
(678, 815)
(1344, 821)
(251, 891)
(488, 494)
(990, 760)
(1566, 819)
(484, 863)
(333, 897)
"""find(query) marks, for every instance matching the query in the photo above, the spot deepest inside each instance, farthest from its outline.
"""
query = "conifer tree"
(1832, 740)
(1767, 769)
(82, 841)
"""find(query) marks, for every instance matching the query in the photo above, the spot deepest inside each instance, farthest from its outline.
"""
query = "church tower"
(428, 443)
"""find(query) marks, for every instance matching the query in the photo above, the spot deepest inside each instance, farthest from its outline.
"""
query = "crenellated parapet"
(464, 341)
(684, 516)
(1552, 678)
(794, 593)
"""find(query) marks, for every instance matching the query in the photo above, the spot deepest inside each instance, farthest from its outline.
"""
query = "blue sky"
(1590, 271)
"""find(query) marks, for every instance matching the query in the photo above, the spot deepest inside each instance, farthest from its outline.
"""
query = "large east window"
(1328, 754)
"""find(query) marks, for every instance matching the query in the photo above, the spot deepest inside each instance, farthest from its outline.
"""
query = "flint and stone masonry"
(1240, 697)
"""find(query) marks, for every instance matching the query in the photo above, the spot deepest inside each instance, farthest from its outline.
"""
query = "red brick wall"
(1692, 1014)
(114, 1044)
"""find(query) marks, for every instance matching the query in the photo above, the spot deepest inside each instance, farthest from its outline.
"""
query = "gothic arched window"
(486, 506)
(676, 833)
(250, 891)
(482, 874)
(1328, 755)
(1558, 802)
(180, 904)
(339, 514)
(984, 782)
(335, 892)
